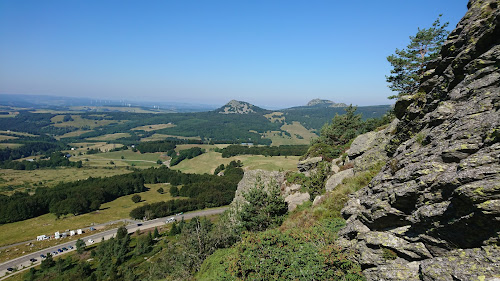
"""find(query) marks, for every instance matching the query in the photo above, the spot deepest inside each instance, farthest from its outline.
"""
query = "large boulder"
(251, 178)
(432, 213)
(296, 199)
(337, 179)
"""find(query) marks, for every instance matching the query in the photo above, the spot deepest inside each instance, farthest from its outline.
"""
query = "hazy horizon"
(268, 53)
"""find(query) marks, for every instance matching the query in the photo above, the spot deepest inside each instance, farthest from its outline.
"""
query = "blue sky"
(270, 53)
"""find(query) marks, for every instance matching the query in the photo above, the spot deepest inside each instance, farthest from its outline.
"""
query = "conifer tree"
(409, 64)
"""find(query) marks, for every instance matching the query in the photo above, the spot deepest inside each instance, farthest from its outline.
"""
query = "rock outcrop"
(239, 107)
(369, 148)
(328, 103)
(433, 212)
(253, 177)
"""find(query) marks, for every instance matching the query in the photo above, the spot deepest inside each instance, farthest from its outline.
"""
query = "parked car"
(59, 250)
(32, 260)
(10, 269)
(55, 253)
(42, 256)
(139, 224)
(90, 241)
(64, 249)
(70, 247)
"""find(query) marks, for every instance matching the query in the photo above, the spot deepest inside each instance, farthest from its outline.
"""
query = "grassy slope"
(207, 162)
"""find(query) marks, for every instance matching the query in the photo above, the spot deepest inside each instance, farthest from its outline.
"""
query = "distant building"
(57, 235)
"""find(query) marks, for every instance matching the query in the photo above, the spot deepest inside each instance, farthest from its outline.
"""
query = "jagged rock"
(337, 179)
(318, 199)
(439, 190)
(290, 189)
(368, 149)
(253, 177)
(296, 199)
(308, 164)
(469, 264)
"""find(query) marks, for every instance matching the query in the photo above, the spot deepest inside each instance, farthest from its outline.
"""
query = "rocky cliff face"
(433, 212)
(238, 107)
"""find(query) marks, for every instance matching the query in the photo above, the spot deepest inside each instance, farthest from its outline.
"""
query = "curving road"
(25, 262)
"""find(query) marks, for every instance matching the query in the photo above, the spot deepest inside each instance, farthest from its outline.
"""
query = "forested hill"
(228, 124)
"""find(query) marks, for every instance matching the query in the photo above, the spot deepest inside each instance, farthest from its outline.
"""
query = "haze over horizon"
(268, 53)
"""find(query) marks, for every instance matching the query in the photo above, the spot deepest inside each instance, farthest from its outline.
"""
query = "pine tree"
(409, 64)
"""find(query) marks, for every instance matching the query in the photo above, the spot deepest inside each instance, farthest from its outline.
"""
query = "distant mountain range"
(87, 104)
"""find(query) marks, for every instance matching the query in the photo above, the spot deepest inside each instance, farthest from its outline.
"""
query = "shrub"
(136, 198)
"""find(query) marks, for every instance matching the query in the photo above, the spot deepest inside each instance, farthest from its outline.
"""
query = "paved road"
(25, 260)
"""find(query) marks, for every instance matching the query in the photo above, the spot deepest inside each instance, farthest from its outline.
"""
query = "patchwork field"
(149, 128)
(83, 147)
(48, 224)
(9, 145)
(7, 137)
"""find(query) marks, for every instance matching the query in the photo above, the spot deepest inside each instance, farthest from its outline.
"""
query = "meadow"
(48, 224)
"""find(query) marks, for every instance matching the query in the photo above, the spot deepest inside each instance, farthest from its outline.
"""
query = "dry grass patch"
(79, 122)
(149, 128)
(16, 133)
(6, 137)
(158, 137)
(109, 137)
(73, 134)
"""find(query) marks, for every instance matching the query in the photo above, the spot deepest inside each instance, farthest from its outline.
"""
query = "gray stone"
(296, 199)
(317, 200)
(309, 164)
(440, 187)
(337, 179)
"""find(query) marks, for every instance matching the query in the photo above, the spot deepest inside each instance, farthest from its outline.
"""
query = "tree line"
(55, 159)
(77, 197)
(282, 150)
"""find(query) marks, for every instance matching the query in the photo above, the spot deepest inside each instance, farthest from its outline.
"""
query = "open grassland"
(16, 133)
(22, 179)
(207, 162)
(73, 134)
(299, 135)
(121, 158)
(109, 137)
(207, 147)
(275, 116)
(83, 147)
(158, 137)
(149, 128)
(48, 224)
(6, 137)
(80, 122)
(10, 145)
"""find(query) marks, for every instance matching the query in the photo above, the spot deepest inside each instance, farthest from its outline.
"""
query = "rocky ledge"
(433, 212)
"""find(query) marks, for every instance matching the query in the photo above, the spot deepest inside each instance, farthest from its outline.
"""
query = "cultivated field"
(48, 224)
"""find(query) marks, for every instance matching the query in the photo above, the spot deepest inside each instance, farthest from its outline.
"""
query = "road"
(24, 261)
